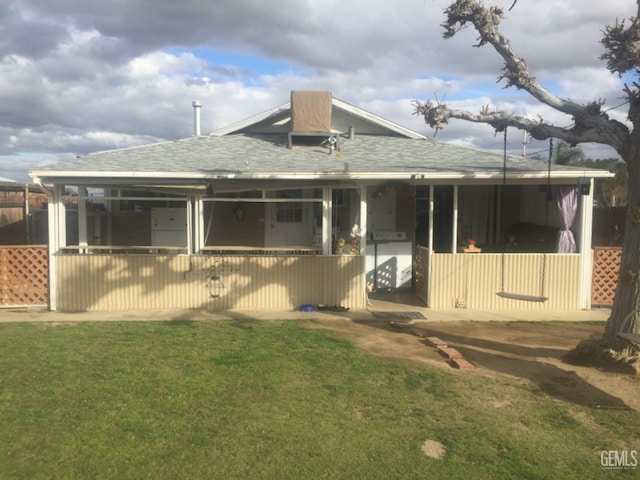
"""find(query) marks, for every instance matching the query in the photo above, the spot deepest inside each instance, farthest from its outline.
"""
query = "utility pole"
(525, 140)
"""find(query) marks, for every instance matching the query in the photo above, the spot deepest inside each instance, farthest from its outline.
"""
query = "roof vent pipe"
(352, 132)
(196, 117)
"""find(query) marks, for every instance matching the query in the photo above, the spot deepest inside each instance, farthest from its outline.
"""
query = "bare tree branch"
(622, 46)
(437, 116)
(590, 123)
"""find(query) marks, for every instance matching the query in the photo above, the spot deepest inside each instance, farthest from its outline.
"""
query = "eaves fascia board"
(419, 176)
(109, 174)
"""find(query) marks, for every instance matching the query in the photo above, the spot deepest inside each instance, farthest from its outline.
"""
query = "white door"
(381, 212)
(289, 223)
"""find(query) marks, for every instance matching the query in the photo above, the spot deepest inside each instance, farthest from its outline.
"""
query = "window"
(289, 212)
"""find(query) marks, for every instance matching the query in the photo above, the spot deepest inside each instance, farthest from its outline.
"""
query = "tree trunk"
(591, 124)
(627, 296)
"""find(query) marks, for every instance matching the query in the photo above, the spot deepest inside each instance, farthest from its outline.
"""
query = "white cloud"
(78, 76)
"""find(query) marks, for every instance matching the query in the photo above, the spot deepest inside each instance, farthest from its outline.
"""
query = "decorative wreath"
(402, 188)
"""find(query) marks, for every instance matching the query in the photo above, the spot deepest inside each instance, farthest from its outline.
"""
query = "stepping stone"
(436, 342)
(450, 353)
(461, 364)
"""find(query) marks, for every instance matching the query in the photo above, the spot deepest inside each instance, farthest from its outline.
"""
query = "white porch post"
(363, 219)
(363, 236)
(454, 234)
(326, 221)
(189, 206)
(430, 241)
(82, 218)
(61, 213)
(431, 209)
(57, 238)
(198, 216)
(586, 254)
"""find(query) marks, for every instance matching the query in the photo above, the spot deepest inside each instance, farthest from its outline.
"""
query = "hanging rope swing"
(543, 270)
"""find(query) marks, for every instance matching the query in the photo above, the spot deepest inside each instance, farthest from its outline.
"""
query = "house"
(316, 202)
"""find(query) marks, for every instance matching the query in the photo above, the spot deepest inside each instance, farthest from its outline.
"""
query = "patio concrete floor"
(405, 305)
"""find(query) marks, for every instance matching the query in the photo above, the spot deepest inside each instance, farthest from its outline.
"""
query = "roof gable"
(343, 116)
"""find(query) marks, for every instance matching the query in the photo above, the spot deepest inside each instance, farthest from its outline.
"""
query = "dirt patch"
(524, 350)
(434, 449)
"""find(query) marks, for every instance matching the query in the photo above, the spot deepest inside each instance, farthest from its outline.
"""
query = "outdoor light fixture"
(239, 212)
(584, 185)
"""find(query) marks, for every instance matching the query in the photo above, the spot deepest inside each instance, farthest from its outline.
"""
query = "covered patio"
(262, 214)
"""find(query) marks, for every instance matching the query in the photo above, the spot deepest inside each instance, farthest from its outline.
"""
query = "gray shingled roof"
(247, 156)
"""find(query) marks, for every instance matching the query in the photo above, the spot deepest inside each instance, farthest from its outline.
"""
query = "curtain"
(566, 197)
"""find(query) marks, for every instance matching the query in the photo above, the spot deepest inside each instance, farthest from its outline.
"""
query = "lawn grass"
(273, 400)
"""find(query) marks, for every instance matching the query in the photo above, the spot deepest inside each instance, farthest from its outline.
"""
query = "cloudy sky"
(78, 76)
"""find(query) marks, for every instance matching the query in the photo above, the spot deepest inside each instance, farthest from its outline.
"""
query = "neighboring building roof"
(256, 148)
(9, 185)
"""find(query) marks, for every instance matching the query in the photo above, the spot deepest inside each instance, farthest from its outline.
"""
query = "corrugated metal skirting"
(122, 282)
(472, 281)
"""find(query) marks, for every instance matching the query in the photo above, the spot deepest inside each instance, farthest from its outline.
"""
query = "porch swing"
(541, 298)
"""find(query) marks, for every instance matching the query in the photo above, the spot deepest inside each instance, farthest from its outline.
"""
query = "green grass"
(253, 400)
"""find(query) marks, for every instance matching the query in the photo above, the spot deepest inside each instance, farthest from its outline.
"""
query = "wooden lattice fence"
(24, 276)
(606, 266)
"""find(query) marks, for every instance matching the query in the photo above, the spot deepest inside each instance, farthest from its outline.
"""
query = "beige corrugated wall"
(472, 280)
(123, 282)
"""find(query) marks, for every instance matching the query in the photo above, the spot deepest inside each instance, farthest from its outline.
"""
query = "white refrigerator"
(169, 227)
(389, 265)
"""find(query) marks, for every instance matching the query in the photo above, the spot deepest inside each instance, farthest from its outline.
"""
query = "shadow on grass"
(182, 322)
(517, 360)
(233, 318)
(243, 323)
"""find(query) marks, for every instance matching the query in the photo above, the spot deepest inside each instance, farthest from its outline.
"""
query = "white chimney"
(196, 117)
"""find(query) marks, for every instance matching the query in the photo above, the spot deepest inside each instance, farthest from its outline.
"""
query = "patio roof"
(246, 157)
